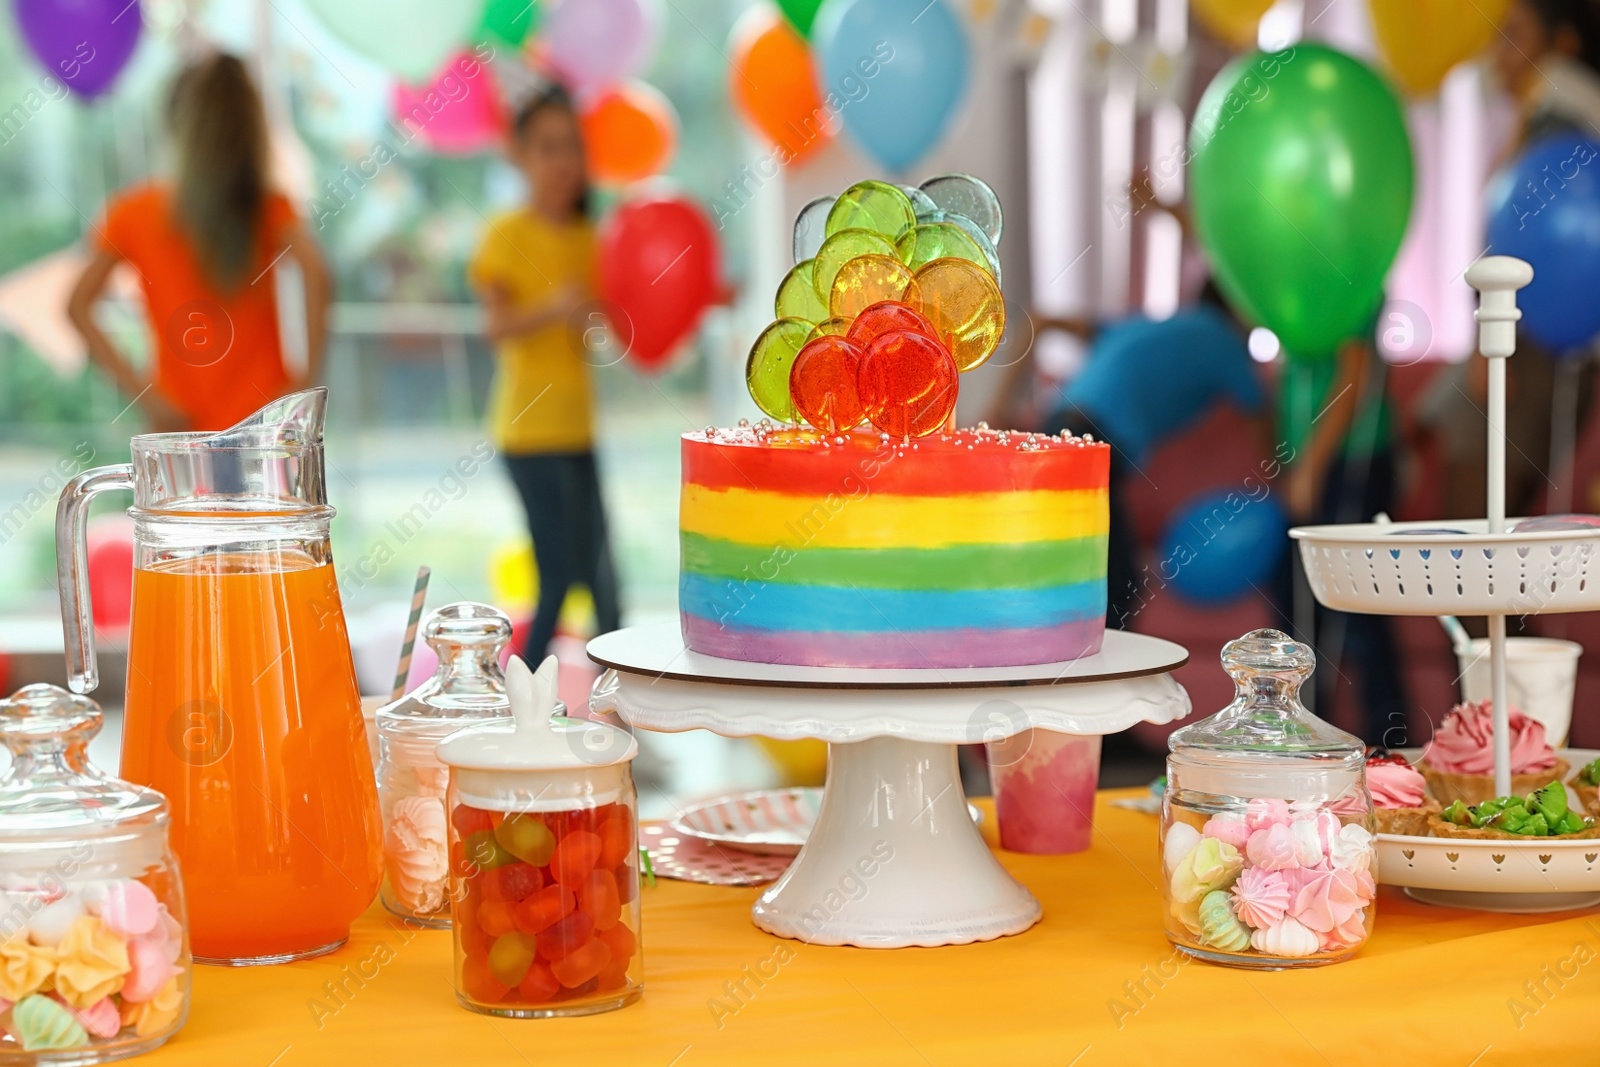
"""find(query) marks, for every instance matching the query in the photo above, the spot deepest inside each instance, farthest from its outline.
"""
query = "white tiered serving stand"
(894, 858)
(1472, 568)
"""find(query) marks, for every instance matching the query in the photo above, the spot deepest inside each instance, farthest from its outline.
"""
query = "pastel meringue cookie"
(1187, 912)
(102, 1018)
(1261, 897)
(1219, 927)
(1328, 900)
(1179, 842)
(1288, 938)
(42, 1024)
(128, 908)
(92, 962)
(1210, 865)
(169, 932)
(149, 969)
(1262, 812)
(1348, 934)
(1274, 847)
(24, 967)
(1228, 826)
(1352, 848)
(52, 922)
(416, 849)
(159, 1013)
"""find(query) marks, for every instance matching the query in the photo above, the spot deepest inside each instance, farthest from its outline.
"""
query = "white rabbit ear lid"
(539, 736)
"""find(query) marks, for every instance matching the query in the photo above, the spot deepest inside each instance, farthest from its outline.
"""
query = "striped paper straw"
(418, 595)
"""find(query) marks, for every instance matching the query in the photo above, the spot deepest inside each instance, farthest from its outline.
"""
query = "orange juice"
(243, 709)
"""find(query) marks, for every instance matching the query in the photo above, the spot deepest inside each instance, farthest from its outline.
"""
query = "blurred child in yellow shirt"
(534, 271)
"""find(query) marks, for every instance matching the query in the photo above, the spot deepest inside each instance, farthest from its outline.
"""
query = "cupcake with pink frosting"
(1458, 763)
(1400, 801)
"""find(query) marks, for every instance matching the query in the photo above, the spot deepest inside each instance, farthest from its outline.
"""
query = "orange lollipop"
(822, 384)
(962, 301)
(886, 316)
(907, 383)
(864, 281)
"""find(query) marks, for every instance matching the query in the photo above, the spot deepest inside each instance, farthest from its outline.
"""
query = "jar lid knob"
(467, 622)
(533, 698)
(1269, 652)
(47, 713)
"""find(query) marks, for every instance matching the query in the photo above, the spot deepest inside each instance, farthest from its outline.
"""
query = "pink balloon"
(590, 43)
(460, 112)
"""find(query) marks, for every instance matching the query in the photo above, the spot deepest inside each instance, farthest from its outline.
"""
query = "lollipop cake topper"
(895, 293)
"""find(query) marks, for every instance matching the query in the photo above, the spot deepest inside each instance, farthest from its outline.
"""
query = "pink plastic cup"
(1044, 785)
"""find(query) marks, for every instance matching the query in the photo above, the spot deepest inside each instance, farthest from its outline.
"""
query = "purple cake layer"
(918, 649)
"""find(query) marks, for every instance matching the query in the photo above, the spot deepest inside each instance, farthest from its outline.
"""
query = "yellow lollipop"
(829, 328)
(867, 280)
(962, 301)
(766, 372)
(797, 295)
(840, 249)
(872, 205)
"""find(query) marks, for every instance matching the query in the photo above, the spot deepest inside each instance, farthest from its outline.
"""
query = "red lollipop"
(888, 315)
(907, 383)
(822, 383)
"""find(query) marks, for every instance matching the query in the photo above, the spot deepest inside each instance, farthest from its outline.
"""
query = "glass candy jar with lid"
(94, 948)
(544, 859)
(1266, 823)
(469, 687)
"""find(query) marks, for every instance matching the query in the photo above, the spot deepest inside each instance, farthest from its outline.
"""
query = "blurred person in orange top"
(204, 245)
(535, 271)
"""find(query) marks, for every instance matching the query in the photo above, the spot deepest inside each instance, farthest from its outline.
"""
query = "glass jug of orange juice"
(242, 704)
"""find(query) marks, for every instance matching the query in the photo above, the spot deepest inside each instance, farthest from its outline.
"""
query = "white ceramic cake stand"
(894, 859)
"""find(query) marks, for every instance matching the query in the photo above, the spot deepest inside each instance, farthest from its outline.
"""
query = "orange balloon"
(775, 86)
(629, 132)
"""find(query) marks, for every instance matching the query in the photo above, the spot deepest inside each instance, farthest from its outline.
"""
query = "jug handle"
(72, 568)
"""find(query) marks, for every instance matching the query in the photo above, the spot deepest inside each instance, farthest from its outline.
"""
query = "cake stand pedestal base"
(895, 859)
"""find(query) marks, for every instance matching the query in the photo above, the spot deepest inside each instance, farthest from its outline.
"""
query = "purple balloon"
(591, 43)
(84, 43)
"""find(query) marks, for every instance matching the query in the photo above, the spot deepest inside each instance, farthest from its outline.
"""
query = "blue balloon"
(1545, 208)
(897, 69)
(1221, 544)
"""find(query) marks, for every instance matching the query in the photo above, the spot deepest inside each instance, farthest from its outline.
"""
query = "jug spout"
(291, 421)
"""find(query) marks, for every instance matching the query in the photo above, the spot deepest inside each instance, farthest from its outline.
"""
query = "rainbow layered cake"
(973, 548)
(859, 527)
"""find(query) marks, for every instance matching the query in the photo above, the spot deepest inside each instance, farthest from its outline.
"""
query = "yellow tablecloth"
(1094, 983)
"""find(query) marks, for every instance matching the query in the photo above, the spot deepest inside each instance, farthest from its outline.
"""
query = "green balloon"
(800, 13)
(797, 295)
(766, 372)
(1301, 181)
(509, 21)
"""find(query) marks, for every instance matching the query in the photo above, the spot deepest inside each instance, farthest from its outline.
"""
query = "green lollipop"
(840, 249)
(797, 294)
(766, 372)
(872, 205)
(811, 227)
(940, 240)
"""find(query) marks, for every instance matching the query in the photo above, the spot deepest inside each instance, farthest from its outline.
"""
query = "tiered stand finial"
(1497, 279)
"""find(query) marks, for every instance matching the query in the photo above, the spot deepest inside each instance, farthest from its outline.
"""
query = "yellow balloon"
(1234, 22)
(803, 762)
(513, 579)
(1422, 40)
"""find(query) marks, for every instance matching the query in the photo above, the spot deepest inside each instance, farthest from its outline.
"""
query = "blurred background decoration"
(708, 124)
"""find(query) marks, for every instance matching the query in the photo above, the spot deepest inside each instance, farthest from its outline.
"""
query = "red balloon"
(111, 581)
(658, 273)
(822, 383)
(908, 384)
(888, 315)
